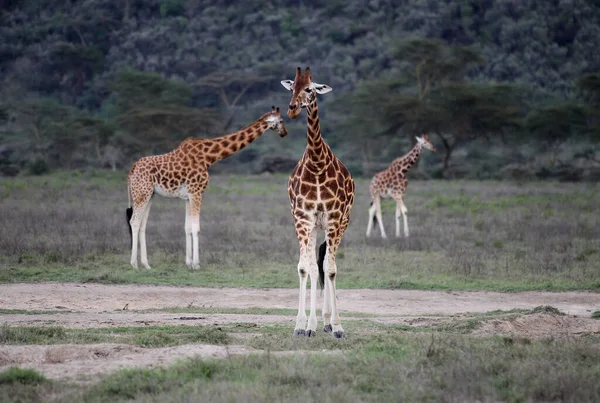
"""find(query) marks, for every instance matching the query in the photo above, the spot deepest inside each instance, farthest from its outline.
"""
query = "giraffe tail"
(374, 216)
(129, 213)
(320, 260)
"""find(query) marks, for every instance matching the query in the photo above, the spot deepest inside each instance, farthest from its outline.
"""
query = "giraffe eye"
(307, 90)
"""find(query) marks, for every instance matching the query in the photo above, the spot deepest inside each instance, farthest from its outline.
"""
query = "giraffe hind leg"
(143, 250)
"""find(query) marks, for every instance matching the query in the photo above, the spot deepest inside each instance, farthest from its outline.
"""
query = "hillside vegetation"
(102, 82)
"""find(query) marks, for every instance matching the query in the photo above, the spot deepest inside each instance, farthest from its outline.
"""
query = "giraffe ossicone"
(183, 173)
(392, 183)
(321, 192)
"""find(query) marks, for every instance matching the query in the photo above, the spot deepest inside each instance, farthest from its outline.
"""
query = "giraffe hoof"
(311, 333)
(299, 332)
(327, 329)
(338, 335)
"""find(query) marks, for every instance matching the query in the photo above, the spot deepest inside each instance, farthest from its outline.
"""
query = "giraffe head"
(276, 122)
(304, 91)
(425, 143)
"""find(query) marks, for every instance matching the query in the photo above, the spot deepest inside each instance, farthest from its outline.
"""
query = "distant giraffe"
(321, 192)
(392, 183)
(183, 173)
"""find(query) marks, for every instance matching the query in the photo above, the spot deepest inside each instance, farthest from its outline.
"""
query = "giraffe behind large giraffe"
(321, 192)
(392, 183)
(183, 173)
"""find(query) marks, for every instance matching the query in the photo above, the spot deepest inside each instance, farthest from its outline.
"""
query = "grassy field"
(71, 226)
(503, 236)
(377, 362)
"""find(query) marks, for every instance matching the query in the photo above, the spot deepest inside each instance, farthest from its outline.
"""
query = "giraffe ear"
(287, 84)
(321, 88)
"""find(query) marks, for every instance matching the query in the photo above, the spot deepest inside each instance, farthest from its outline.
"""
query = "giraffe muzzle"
(293, 111)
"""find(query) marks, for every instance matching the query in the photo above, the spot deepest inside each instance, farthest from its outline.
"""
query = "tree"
(230, 87)
(555, 124)
(430, 94)
(45, 132)
(78, 62)
(157, 111)
(467, 111)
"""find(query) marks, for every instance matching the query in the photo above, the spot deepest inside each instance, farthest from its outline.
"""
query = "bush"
(39, 167)
(171, 8)
(21, 375)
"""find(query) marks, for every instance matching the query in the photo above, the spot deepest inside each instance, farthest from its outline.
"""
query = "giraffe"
(183, 173)
(392, 183)
(321, 192)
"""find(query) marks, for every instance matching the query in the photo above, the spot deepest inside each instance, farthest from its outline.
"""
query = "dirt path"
(95, 305)
(98, 298)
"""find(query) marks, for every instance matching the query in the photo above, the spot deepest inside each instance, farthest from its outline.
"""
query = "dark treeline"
(504, 88)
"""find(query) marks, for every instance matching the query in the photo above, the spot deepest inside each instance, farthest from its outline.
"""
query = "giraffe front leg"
(372, 210)
(307, 265)
(196, 202)
(301, 317)
(188, 235)
(330, 274)
(326, 306)
(403, 210)
(398, 214)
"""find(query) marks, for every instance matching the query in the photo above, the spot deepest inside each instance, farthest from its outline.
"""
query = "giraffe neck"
(317, 151)
(404, 163)
(223, 147)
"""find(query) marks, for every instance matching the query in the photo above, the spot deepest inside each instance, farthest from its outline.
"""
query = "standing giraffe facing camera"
(321, 192)
(183, 173)
(392, 183)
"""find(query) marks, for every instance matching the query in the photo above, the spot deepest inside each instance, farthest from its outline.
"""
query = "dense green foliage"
(72, 94)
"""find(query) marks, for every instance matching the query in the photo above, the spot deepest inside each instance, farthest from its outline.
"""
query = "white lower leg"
(311, 328)
(143, 249)
(371, 215)
(398, 214)
(301, 317)
(326, 308)
(188, 236)
(380, 220)
(330, 273)
(404, 211)
(135, 229)
(195, 242)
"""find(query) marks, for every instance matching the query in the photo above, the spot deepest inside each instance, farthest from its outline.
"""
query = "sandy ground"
(95, 305)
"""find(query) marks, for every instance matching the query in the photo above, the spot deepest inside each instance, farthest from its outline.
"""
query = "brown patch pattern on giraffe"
(321, 192)
(183, 173)
(392, 183)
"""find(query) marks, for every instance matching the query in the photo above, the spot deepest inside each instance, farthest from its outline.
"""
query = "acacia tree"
(555, 124)
(47, 133)
(230, 87)
(157, 112)
(470, 111)
(431, 94)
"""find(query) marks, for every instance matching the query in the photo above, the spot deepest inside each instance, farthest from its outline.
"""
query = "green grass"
(465, 235)
(21, 376)
(147, 336)
(385, 367)
(441, 361)
(4, 311)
